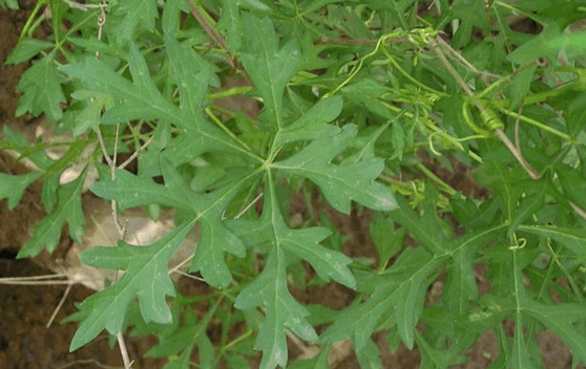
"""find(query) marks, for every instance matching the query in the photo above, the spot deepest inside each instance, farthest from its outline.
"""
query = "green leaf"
(559, 324)
(435, 358)
(141, 99)
(400, 290)
(369, 356)
(387, 240)
(341, 183)
(574, 184)
(26, 50)
(269, 68)
(12, 4)
(46, 234)
(215, 238)
(132, 14)
(312, 125)
(281, 311)
(41, 88)
(146, 277)
(130, 191)
(270, 288)
(521, 85)
(184, 340)
(12, 186)
(572, 239)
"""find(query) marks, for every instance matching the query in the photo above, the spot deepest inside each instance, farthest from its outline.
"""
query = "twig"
(189, 275)
(217, 39)
(88, 361)
(136, 153)
(122, 345)
(465, 63)
(85, 7)
(249, 206)
(59, 305)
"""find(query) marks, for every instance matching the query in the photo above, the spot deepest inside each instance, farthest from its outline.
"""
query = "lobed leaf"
(47, 233)
(341, 183)
(146, 277)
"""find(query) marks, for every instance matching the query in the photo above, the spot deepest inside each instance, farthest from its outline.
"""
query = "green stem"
(537, 124)
(30, 20)
(443, 185)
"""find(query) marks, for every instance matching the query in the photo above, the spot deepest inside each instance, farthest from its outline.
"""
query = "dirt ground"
(25, 343)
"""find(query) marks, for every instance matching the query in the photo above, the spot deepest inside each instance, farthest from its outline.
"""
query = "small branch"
(578, 210)
(88, 361)
(122, 345)
(59, 305)
(136, 153)
(217, 39)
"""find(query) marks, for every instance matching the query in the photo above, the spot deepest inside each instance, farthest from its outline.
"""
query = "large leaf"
(146, 277)
(270, 288)
(215, 238)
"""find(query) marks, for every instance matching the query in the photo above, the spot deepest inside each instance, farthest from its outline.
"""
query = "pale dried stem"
(189, 275)
(122, 345)
(249, 206)
(136, 153)
(88, 361)
(32, 278)
(465, 63)
(59, 305)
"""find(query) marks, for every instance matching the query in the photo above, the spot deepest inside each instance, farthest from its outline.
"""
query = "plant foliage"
(362, 101)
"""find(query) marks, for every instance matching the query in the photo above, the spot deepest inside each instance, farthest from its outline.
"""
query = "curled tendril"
(491, 120)
(521, 242)
(471, 123)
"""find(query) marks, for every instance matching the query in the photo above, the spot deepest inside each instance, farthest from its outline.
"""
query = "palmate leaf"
(341, 184)
(41, 88)
(146, 277)
(269, 68)
(270, 288)
(46, 234)
(215, 238)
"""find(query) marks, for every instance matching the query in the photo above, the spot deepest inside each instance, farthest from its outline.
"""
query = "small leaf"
(341, 183)
(311, 125)
(574, 184)
(26, 50)
(46, 234)
(41, 88)
(12, 187)
(132, 14)
(269, 68)
(282, 311)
